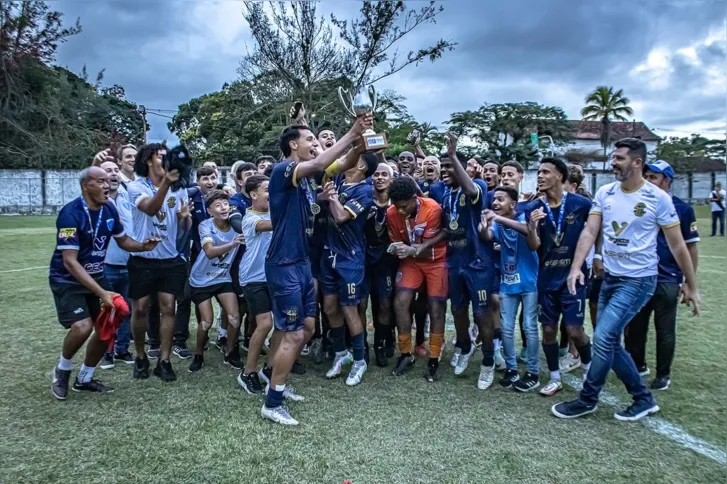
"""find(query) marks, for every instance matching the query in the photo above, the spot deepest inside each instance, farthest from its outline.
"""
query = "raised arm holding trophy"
(362, 102)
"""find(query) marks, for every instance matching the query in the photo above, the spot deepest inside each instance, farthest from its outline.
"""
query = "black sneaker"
(59, 386)
(197, 364)
(637, 411)
(221, 343)
(154, 352)
(660, 383)
(107, 362)
(509, 378)
(265, 374)
(528, 382)
(572, 409)
(403, 363)
(251, 383)
(127, 358)
(382, 359)
(94, 386)
(432, 373)
(643, 370)
(164, 371)
(233, 359)
(141, 368)
(298, 369)
(182, 352)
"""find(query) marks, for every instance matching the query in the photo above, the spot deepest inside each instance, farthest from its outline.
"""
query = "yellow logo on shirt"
(68, 233)
(172, 202)
(693, 227)
(640, 209)
(618, 229)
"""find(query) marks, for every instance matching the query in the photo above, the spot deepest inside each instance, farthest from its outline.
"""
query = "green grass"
(203, 428)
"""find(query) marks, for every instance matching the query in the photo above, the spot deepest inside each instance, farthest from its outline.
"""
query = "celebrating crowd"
(296, 249)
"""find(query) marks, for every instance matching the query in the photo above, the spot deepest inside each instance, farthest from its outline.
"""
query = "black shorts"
(202, 294)
(74, 302)
(257, 295)
(152, 276)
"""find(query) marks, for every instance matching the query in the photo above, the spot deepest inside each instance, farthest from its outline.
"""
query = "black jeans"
(719, 215)
(664, 305)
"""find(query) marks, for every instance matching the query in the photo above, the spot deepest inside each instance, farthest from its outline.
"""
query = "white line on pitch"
(660, 426)
(23, 270)
(712, 257)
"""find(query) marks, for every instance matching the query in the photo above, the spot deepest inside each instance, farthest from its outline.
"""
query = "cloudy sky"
(667, 55)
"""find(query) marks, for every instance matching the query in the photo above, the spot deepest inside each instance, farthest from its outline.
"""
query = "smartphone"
(393, 246)
(296, 109)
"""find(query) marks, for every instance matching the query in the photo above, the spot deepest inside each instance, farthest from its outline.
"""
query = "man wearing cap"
(666, 296)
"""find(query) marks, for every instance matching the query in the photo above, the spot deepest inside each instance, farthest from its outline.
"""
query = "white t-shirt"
(630, 224)
(164, 224)
(115, 255)
(715, 207)
(252, 264)
(208, 272)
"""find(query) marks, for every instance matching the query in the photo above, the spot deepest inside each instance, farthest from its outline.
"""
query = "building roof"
(591, 130)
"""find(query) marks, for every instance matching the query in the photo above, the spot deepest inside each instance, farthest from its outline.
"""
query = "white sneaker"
(500, 361)
(278, 415)
(553, 387)
(305, 351)
(356, 374)
(569, 363)
(288, 393)
(455, 357)
(464, 360)
(339, 363)
(487, 376)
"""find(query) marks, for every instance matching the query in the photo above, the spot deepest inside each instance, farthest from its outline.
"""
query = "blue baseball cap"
(661, 166)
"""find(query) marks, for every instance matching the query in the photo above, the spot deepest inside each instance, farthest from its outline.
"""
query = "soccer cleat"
(141, 368)
(278, 415)
(432, 373)
(197, 363)
(637, 411)
(553, 387)
(403, 363)
(316, 350)
(290, 394)
(164, 371)
(381, 359)
(528, 382)
(338, 363)
(221, 343)
(660, 383)
(356, 374)
(59, 386)
(464, 360)
(569, 363)
(420, 351)
(107, 362)
(153, 353)
(298, 368)
(500, 364)
(93, 386)
(182, 352)
(305, 351)
(233, 359)
(509, 378)
(572, 409)
(644, 371)
(250, 383)
(455, 357)
(265, 374)
(127, 358)
(487, 376)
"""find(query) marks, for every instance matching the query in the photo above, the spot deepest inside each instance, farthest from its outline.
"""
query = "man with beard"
(630, 213)
(407, 163)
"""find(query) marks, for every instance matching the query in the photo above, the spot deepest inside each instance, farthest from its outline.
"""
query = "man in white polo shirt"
(630, 213)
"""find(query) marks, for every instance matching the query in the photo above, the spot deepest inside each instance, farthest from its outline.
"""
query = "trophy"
(364, 101)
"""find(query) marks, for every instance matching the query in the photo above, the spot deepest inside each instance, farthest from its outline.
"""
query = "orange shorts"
(413, 274)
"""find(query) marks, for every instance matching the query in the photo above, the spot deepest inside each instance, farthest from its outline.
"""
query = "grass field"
(203, 428)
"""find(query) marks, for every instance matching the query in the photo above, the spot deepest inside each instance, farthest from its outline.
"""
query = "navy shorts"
(497, 279)
(314, 254)
(343, 277)
(293, 291)
(379, 279)
(471, 285)
(553, 304)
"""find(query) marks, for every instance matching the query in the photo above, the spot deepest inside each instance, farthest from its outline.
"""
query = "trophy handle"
(374, 97)
(347, 101)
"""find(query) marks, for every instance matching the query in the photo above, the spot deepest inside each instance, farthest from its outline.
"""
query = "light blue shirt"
(252, 264)
(209, 272)
(518, 264)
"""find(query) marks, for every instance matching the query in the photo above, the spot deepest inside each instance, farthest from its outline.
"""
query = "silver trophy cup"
(362, 102)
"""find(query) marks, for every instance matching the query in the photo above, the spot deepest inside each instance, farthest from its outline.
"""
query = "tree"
(684, 153)
(604, 104)
(502, 131)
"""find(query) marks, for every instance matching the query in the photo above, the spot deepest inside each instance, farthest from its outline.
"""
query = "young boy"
(519, 281)
(210, 277)
(257, 230)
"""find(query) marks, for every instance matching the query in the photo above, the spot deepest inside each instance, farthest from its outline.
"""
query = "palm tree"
(604, 104)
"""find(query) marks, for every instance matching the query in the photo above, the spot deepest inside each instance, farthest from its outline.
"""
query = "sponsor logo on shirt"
(620, 228)
(68, 233)
(640, 209)
(511, 279)
(693, 227)
(78, 311)
(617, 255)
(110, 223)
(570, 218)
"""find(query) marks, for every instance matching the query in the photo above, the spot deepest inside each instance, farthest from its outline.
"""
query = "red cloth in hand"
(109, 320)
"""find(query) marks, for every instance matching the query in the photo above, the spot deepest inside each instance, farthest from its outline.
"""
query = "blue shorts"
(470, 285)
(314, 253)
(343, 277)
(379, 279)
(553, 304)
(293, 293)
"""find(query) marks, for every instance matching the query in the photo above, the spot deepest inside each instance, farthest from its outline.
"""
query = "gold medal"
(557, 240)
(315, 208)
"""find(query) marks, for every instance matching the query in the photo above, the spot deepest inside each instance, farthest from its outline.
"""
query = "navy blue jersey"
(349, 238)
(556, 257)
(377, 233)
(321, 219)
(76, 232)
(669, 270)
(199, 215)
(290, 214)
(462, 215)
(436, 191)
(239, 203)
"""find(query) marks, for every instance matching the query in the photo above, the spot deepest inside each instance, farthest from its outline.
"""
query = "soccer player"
(417, 239)
(157, 210)
(257, 230)
(560, 217)
(665, 300)
(343, 264)
(287, 267)
(407, 163)
(519, 267)
(491, 172)
(630, 212)
(469, 264)
(326, 139)
(263, 163)
(85, 227)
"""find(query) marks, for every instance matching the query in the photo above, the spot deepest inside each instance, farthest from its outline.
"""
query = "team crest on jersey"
(292, 315)
(693, 227)
(618, 229)
(110, 223)
(171, 202)
(161, 215)
(640, 209)
(462, 200)
(570, 218)
(68, 233)
(343, 198)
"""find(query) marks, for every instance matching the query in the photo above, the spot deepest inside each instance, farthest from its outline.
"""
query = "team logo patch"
(640, 209)
(618, 229)
(68, 233)
(462, 200)
(292, 315)
(172, 202)
(161, 215)
(693, 227)
(110, 223)
(570, 218)
(99, 242)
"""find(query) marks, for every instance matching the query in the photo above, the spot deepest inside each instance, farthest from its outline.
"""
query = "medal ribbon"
(411, 226)
(151, 186)
(561, 215)
(452, 201)
(90, 222)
